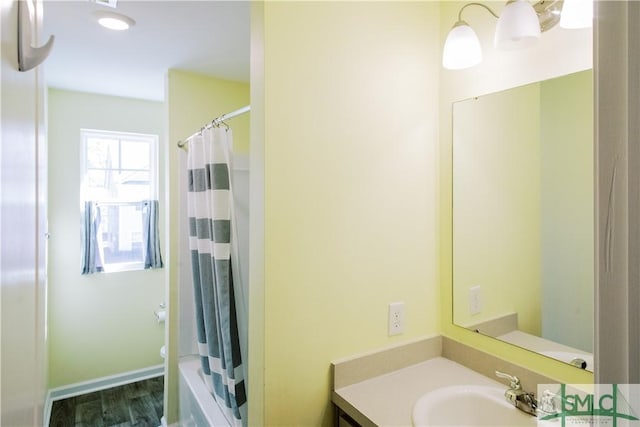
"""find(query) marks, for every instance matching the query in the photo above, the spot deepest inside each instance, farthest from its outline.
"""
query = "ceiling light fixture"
(110, 3)
(519, 26)
(114, 21)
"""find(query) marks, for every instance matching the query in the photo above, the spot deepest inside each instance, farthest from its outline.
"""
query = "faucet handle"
(513, 380)
(550, 403)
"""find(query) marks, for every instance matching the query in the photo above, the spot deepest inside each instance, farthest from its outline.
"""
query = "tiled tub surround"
(380, 389)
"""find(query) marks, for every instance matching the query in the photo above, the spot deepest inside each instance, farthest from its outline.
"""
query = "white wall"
(22, 241)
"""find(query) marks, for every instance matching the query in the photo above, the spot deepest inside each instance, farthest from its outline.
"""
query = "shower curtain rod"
(215, 122)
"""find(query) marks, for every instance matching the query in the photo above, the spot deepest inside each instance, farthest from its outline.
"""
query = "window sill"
(123, 266)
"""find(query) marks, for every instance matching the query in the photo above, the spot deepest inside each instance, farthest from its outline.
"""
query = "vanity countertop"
(388, 399)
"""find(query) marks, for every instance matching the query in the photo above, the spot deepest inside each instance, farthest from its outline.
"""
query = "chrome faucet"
(517, 396)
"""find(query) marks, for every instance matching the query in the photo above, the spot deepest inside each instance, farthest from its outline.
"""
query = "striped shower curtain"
(209, 210)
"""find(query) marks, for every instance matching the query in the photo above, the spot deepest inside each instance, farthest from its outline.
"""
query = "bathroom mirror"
(523, 216)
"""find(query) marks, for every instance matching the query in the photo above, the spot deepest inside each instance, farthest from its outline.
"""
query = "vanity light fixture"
(577, 14)
(519, 26)
(114, 21)
(462, 46)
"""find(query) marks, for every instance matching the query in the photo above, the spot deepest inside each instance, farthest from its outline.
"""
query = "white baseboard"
(98, 384)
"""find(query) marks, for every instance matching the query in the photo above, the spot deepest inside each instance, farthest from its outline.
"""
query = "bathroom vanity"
(382, 388)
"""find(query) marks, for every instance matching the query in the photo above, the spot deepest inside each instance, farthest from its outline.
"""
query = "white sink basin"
(468, 406)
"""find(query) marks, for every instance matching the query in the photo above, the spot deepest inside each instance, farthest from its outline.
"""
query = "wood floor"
(137, 404)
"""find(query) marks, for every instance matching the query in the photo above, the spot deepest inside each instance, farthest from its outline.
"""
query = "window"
(118, 187)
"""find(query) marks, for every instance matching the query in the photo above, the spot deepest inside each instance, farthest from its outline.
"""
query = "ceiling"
(208, 36)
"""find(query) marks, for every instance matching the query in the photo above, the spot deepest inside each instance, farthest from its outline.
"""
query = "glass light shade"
(577, 14)
(462, 48)
(518, 26)
(114, 21)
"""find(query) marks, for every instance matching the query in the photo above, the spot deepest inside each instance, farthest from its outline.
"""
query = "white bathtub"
(198, 408)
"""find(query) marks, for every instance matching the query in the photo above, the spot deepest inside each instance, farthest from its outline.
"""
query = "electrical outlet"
(475, 304)
(396, 318)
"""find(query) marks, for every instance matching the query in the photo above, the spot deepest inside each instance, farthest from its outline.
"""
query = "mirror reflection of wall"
(523, 215)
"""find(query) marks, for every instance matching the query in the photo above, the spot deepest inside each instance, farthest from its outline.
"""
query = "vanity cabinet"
(343, 419)
(381, 388)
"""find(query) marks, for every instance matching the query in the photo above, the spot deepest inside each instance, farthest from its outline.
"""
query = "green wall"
(345, 144)
(102, 324)
(523, 181)
(567, 209)
(496, 206)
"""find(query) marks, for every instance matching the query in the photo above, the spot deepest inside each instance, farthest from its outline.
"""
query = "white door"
(23, 177)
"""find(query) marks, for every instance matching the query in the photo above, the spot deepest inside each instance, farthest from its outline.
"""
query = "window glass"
(135, 155)
(119, 172)
(121, 235)
(102, 153)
